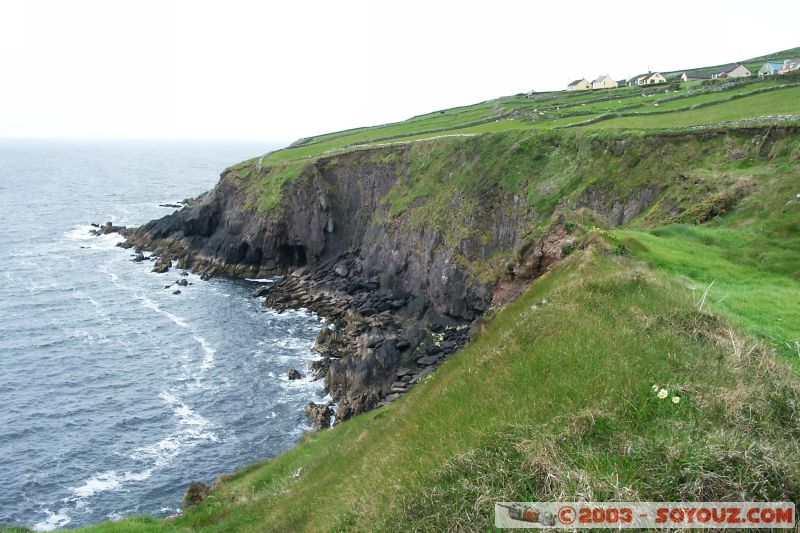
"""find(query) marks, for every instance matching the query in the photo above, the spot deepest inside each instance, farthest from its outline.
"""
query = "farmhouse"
(579, 85)
(733, 71)
(604, 82)
(647, 79)
(695, 76)
(770, 68)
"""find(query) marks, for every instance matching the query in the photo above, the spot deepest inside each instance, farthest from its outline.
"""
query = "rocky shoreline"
(399, 298)
(364, 325)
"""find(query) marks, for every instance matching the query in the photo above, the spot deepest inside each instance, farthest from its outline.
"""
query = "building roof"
(699, 74)
(601, 78)
(639, 76)
(576, 82)
(775, 64)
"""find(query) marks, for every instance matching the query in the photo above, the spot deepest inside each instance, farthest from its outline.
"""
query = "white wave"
(105, 481)
(82, 233)
(53, 520)
(196, 429)
(210, 351)
(150, 304)
(261, 280)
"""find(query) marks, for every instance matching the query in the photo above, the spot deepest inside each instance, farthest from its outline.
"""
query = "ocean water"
(115, 394)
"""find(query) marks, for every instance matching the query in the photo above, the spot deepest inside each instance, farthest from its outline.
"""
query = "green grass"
(784, 101)
(552, 401)
(756, 281)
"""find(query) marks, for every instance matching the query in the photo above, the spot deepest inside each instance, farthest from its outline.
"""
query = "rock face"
(396, 295)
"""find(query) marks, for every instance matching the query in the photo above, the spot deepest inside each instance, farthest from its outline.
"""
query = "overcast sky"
(276, 71)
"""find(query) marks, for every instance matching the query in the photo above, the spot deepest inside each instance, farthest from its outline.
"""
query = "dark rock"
(422, 375)
(176, 292)
(402, 371)
(184, 273)
(182, 282)
(368, 311)
(261, 291)
(391, 397)
(163, 264)
(428, 360)
(138, 258)
(372, 342)
(295, 374)
(320, 414)
(402, 344)
(447, 346)
(195, 493)
(173, 206)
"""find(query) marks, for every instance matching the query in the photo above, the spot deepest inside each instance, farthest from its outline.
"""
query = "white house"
(647, 79)
(604, 82)
(770, 68)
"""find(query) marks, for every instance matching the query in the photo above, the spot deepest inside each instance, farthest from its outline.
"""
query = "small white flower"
(663, 393)
(655, 388)
(676, 400)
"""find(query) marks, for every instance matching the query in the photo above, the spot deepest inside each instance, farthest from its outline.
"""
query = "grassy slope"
(552, 401)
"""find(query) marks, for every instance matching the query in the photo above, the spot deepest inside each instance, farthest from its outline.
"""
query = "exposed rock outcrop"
(395, 297)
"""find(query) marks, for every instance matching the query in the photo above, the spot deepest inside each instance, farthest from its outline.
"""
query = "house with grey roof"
(696, 75)
(734, 70)
(604, 82)
(579, 85)
(650, 78)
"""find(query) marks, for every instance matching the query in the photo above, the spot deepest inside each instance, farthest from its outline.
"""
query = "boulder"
(427, 360)
(163, 264)
(295, 374)
(138, 258)
(402, 344)
(320, 414)
(177, 291)
(182, 282)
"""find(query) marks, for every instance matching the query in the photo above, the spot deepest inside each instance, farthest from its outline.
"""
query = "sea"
(115, 393)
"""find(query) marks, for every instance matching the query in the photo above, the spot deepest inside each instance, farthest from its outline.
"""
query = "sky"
(278, 71)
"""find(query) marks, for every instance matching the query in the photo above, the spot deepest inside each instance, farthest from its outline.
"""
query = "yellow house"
(604, 82)
(647, 79)
(579, 85)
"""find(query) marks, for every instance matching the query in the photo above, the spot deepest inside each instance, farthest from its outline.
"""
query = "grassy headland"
(554, 399)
